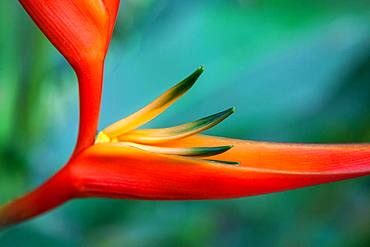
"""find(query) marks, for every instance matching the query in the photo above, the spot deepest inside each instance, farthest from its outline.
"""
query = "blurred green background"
(297, 71)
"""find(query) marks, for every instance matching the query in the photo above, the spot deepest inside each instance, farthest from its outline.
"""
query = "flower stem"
(59, 188)
(90, 80)
(51, 194)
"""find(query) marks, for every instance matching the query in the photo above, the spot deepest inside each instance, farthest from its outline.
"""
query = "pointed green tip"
(224, 162)
(189, 81)
(207, 151)
(218, 150)
(195, 75)
(228, 112)
(183, 86)
(227, 148)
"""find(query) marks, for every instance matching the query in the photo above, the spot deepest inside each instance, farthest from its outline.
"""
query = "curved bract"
(129, 173)
(172, 163)
(79, 29)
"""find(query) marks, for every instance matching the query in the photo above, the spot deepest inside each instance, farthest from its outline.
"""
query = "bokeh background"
(297, 71)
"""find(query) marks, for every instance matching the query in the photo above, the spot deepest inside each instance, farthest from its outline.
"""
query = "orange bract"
(130, 173)
(79, 29)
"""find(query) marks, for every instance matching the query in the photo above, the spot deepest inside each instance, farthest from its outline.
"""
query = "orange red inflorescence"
(174, 163)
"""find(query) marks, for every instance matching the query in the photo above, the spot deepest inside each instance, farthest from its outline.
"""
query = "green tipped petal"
(193, 151)
(224, 162)
(155, 108)
(156, 136)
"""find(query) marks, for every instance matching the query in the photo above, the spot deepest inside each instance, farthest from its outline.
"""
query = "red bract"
(81, 30)
(175, 163)
(264, 168)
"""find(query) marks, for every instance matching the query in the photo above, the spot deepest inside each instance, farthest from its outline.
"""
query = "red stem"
(59, 188)
(90, 80)
(51, 194)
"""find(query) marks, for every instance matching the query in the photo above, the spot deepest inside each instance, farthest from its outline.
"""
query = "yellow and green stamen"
(125, 132)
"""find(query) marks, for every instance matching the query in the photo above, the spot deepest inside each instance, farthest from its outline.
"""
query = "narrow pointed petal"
(224, 162)
(155, 136)
(126, 172)
(190, 151)
(155, 108)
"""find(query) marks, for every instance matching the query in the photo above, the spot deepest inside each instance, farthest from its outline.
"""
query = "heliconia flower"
(81, 30)
(178, 163)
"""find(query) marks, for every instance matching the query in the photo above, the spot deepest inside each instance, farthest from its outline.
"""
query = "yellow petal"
(154, 108)
(155, 136)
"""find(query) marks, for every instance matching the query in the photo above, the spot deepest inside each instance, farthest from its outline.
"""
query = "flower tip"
(229, 111)
(185, 84)
(224, 162)
(191, 79)
(207, 151)
(227, 148)
(217, 150)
